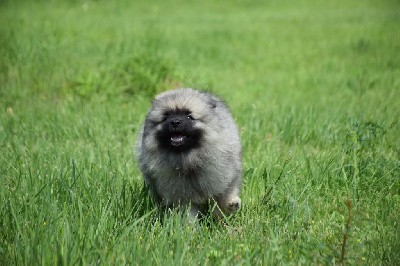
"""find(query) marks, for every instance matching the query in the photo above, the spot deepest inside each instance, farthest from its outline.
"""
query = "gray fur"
(211, 171)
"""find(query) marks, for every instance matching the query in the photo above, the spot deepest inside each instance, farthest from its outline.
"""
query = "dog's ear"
(213, 102)
(154, 101)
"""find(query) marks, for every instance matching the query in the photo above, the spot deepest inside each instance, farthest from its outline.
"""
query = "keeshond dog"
(189, 152)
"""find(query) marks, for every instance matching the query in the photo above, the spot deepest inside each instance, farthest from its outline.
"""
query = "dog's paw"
(233, 205)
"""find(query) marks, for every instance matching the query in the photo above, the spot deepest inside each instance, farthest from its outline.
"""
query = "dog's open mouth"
(178, 139)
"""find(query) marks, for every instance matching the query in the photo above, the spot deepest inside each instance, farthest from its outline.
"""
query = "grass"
(314, 88)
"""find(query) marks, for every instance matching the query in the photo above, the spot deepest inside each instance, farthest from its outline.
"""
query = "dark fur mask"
(178, 133)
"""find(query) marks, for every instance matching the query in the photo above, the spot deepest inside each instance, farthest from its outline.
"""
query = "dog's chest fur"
(197, 182)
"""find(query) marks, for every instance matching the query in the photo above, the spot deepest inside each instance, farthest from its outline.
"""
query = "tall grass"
(314, 87)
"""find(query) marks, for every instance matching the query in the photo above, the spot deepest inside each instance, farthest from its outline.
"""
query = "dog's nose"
(175, 123)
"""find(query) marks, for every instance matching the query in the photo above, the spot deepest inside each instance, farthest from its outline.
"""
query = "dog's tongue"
(177, 138)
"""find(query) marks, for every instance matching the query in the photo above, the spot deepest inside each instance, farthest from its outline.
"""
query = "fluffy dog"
(189, 152)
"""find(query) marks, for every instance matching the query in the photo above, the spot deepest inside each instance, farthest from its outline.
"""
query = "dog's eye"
(163, 119)
(190, 117)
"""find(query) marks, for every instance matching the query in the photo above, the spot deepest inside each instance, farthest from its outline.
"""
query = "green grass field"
(313, 86)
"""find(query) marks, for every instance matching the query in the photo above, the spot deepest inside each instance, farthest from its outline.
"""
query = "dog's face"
(177, 131)
(181, 121)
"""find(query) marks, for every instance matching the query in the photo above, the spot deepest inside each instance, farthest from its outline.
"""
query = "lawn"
(313, 86)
